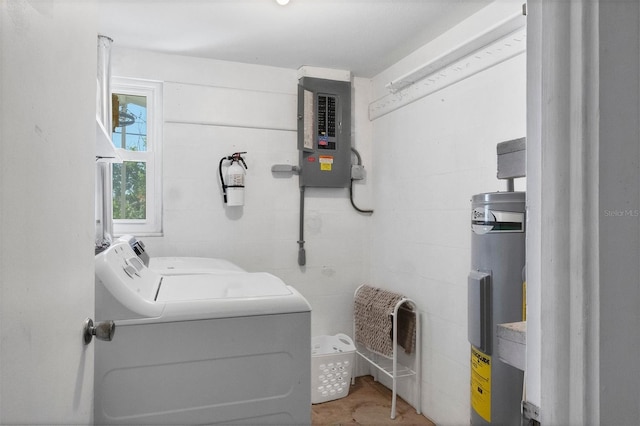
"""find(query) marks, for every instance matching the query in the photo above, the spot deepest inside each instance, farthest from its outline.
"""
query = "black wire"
(354, 204)
(224, 187)
(355, 151)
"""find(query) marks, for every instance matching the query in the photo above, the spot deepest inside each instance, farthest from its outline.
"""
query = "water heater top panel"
(513, 200)
(498, 212)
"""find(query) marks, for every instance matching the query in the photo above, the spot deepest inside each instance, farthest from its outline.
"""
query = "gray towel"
(407, 328)
(373, 316)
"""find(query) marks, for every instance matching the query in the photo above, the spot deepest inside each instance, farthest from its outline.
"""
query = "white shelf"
(105, 151)
(512, 343)
(385, 365)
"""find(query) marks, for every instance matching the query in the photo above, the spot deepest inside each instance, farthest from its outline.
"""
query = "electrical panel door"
(324, 132)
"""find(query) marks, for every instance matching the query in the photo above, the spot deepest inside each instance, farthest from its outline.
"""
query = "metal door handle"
(104, 330)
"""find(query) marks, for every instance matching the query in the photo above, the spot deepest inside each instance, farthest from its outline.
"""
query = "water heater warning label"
(326, 162)
(481, 383)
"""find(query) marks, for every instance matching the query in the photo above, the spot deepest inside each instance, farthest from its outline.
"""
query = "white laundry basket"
(332, 360)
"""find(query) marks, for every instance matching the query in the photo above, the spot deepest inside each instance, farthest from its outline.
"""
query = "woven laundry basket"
(332, 359)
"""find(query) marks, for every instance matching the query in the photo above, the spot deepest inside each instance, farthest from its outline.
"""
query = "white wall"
(214, 108)
(430, 157)
(47, 154)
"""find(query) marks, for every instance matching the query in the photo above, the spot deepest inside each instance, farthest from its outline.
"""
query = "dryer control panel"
(125, 277)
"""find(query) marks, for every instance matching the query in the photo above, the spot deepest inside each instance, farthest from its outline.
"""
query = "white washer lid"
(191, 265)
(232, 285)
(209, 296)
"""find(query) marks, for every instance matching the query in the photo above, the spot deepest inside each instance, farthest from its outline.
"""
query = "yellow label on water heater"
(481, 383)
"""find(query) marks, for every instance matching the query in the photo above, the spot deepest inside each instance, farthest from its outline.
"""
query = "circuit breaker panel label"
(326, 161)
(481, 383)
(324, 132)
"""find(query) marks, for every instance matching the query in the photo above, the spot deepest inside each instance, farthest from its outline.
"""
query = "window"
(137, 133)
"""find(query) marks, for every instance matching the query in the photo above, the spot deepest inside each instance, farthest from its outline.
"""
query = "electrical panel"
(324, 132)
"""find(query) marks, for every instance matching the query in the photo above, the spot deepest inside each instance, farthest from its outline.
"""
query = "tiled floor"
(368, 403)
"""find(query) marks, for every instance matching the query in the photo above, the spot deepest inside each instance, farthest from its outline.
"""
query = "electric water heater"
(495, 297)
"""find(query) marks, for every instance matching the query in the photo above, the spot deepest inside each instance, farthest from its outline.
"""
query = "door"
(47, 161)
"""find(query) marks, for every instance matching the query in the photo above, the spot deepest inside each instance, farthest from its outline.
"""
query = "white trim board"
(481, 59)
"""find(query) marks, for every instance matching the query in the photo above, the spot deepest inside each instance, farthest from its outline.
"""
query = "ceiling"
(362, 36)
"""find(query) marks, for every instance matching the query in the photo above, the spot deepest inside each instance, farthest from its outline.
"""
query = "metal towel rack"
(390, 365)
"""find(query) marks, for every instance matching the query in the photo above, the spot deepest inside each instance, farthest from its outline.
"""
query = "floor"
(368, 403)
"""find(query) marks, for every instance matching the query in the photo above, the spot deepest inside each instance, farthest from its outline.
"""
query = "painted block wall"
(430, 157)
(214, 108)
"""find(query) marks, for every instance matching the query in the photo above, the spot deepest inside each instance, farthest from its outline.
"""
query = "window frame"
(152, 90)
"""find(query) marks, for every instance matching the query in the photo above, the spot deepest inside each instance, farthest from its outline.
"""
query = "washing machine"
(172, 265)
(222, 347)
